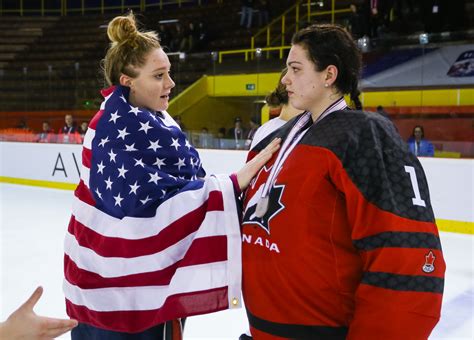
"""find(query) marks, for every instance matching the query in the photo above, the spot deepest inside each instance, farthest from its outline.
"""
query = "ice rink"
(33, 223)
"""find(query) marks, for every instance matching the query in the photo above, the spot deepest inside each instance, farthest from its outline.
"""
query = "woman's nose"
(171, 83)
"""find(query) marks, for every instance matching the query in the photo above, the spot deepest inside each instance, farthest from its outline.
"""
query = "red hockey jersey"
(348, 248)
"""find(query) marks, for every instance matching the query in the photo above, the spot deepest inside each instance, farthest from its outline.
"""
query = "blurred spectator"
(369, 18)
(178, 121)
(418, 145)
(374, 18)
(205, 138)
(251, 132)
(83, 129)
(47, 134)
(68, 133)
(220, 140)
(179, 40)
(403, 6)
(237, 133)
(191, 37)
(246, 13)
(221, 133)
(165, 36)
(263, 7)
(382, 111)
(355, 24)
(69, 126)
(432, 15)
(202, 35)
(22, 124)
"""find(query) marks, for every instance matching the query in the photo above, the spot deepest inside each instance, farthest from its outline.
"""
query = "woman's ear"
(125, 80)
(331, 74)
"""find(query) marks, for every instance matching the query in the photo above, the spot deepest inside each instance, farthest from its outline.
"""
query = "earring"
(326, 85)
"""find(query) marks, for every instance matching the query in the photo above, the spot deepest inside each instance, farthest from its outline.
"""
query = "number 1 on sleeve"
(417, 199)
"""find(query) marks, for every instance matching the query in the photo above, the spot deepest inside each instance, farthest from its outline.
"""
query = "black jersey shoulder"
(374, 156)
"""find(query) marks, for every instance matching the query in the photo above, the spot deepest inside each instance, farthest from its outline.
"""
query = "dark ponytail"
(355, 98)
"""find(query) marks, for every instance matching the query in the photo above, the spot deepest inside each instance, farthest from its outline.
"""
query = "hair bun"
(122, 29)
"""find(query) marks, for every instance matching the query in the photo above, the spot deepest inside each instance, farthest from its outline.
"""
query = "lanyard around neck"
(294, 136)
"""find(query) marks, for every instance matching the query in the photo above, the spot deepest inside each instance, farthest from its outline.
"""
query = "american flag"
(149, 239)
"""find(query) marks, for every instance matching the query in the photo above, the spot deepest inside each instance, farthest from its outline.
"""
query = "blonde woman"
(151, 240)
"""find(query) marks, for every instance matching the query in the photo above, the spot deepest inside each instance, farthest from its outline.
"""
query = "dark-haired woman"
(339, 237)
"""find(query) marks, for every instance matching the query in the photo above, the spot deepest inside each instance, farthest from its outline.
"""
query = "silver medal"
(262, 207)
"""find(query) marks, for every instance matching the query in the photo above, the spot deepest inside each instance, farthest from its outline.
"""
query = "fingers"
(33, 299)
(56, 327)
(53, 323)
(245, 175)
(274, 143)
(269, 150)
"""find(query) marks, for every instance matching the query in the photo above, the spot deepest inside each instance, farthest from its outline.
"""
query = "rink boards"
(451, 181)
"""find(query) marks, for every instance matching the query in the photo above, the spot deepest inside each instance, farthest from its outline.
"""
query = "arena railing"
(275, 33)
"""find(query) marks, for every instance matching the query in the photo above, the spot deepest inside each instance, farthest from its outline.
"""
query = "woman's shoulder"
(352, 129)
(266, 129)
(355, 120)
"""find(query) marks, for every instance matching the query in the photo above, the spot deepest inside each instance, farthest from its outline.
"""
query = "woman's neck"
(318, 109)
(287, 112)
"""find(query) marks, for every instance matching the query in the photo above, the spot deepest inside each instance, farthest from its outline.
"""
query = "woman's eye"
(159, 76)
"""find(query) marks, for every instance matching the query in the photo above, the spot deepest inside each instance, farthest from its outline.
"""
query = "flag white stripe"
(234, 244)
(134, 228)
(102, 105)
(85, 171)
(90, 134)
(84, 176)
(109, 267)
(186, 279)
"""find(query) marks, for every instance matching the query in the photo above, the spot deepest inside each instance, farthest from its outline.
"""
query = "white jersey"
(267, 128)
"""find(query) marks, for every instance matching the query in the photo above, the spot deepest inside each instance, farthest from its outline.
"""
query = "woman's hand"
(249, 170)
(25, 324)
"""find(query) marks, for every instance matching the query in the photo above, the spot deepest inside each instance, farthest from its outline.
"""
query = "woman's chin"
(161, 107)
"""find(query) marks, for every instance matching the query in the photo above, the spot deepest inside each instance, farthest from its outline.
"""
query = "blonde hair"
(128, 48)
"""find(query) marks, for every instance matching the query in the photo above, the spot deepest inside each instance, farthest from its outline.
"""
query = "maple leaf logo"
(274, 208)
(429, 267)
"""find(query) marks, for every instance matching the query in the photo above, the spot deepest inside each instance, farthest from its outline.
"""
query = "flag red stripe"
(176, 306)
(173, 233)
(94, 121)
(202, 251)
(83, 193)
(86, 157)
